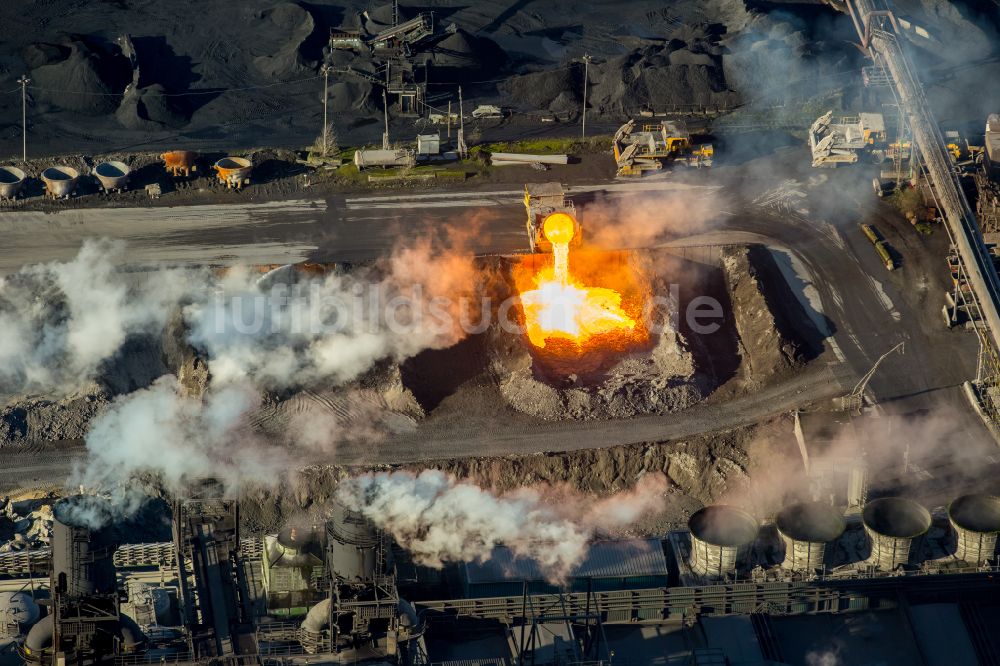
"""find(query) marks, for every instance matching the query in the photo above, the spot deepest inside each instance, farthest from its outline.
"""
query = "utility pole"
(461, 125)
(385, 109)
(586, 73)
(326, 99)
(449, 121)
(24, 81)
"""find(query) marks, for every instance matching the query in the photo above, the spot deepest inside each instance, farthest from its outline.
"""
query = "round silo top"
(976, 513)
(896, 517)
(722, 525)
(294, 537)
(812, 522)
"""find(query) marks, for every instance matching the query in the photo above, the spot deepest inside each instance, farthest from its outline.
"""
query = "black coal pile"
(464, 55)
(279, 51)
(79, 74)
(655, 75)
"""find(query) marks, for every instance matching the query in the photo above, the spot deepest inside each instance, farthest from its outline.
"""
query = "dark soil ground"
(224, 77)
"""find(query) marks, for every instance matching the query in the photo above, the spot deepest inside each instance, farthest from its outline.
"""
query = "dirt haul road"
(349, 228)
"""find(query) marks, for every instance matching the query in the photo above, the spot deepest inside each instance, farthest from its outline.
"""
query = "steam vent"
(892, 523)
(806, 528)
(720, 538)
(81, 557)
(976, 521)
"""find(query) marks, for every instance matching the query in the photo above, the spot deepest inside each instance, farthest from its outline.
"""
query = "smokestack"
(806, 528)
(976, 521)
(720, 539)
(352, 545)
(81, 556)
(892, 524)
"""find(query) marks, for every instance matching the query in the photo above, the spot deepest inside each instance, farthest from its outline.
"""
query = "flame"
(562, 308)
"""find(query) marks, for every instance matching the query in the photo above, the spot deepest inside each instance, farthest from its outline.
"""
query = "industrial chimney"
(892, 524)
(352, 546)
(976, 521)
(806, 528)
(720, 539)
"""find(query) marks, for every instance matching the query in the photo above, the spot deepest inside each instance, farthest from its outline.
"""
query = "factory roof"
(605, 559)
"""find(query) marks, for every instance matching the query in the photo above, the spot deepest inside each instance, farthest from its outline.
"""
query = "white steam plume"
(162, 431)
(643, 220)
(439, 518)
(825, 658)
(159, 430)
(332, 328)
(60, 321)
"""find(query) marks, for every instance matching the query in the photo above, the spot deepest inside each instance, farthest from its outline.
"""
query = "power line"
(217, 91)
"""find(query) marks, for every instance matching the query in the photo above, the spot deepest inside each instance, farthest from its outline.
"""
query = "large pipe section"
(976, 521)
(233, 172)
(720, 539)
(60, 181)
(11, 182)
(112, 175)
(892, 524)
(806, 528)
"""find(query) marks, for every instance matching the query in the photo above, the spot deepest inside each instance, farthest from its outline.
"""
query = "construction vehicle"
(842, 142)
(656, 146)
(540, 201)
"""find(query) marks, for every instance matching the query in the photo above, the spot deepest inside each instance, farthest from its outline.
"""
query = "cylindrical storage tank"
(113, 175)
(234, 171)
(82, 563)
(11, 182)
(806, 528)
(720, 539)
(892, 523)
(976, 521)
(60, 181)
(352, 545)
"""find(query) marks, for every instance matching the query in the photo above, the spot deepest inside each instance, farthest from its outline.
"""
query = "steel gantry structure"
(881, 37)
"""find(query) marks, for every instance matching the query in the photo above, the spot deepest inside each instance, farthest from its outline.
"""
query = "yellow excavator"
(655, 146)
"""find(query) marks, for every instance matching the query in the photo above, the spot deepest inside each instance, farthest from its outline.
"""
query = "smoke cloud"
(332, 328)
(60, 321)
(827, 658)
(280, 332)
(931, 456)
(97, 511)
(642, 220)
(159, 430)
(440, 519)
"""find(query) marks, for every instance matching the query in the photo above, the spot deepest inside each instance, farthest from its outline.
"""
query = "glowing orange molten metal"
(559, 307)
